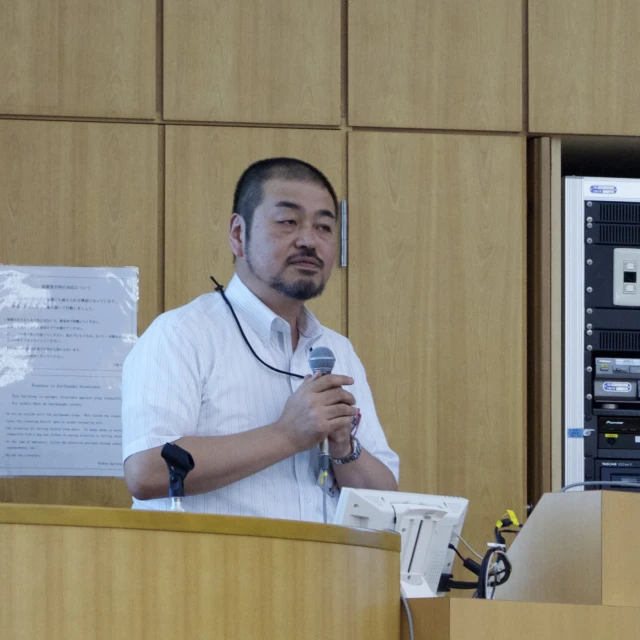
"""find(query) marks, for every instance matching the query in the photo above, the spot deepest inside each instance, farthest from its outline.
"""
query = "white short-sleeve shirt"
(191, 374)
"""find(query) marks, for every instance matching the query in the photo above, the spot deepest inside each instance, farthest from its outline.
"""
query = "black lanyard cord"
(220, 289)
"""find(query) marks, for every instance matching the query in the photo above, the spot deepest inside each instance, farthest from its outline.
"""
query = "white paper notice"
(64, 335)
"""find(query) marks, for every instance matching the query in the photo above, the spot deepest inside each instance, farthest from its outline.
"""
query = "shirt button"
(307, 499)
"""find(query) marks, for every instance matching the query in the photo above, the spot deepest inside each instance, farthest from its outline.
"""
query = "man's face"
(291, 246)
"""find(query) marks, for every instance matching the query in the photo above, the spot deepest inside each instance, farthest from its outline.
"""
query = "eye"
(325, 228)
(287, 223)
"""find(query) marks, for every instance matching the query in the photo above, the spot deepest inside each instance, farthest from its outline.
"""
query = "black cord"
(489, 574)
(461, 584)
(457, 552)
(220, 289)
(498, 532)
(485, 579)
(484, 570)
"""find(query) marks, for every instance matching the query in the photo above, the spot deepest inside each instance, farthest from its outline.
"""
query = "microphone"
(322, 359)
(179, 462)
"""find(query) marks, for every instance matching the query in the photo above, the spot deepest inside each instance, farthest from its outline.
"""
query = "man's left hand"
(340, 443)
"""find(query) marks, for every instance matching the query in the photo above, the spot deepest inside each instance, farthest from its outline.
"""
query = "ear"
(237, 235)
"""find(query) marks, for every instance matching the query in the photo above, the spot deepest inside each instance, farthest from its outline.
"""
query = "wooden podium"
(465, 619)
(578, 548)
(576, 576)
(114, 574)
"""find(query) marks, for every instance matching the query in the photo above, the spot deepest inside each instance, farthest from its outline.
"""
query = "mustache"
(307, 253)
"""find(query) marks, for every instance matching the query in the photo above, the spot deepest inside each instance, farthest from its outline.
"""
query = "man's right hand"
(316, 409)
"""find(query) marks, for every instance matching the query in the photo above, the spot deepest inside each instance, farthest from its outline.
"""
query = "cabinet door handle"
(344, 212)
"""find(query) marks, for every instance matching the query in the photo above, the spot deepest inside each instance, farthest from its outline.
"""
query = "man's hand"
(320, 408)
(340, 441)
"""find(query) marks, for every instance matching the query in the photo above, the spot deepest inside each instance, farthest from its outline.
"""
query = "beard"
(302, 289)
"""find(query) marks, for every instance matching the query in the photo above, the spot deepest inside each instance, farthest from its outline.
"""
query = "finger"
(336, 396)
(310, 377)
(336, 427)
(331, 381)
(340, 411)
(338, 424)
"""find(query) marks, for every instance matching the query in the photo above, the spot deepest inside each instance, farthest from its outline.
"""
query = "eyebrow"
(287, 204)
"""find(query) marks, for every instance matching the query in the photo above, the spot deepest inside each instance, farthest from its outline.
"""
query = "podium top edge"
(106, 518)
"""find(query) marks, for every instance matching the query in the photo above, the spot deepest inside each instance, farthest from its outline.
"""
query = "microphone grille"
(322, 359)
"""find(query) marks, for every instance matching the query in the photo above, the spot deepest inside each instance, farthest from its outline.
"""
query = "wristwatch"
(354, 455)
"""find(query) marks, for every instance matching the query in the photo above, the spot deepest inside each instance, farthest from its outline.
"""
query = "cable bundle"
(494, 568)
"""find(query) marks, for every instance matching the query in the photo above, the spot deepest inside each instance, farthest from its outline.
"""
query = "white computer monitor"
(427, 525)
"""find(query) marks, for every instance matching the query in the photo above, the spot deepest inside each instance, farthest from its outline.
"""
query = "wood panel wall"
(442, 332)
(83, 193)
(582, 66)
(83, 58)
(124, 124)
(255, 61)
(202, 167)
(436, 64)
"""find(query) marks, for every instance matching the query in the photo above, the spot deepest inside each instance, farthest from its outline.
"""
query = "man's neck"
(287, 308)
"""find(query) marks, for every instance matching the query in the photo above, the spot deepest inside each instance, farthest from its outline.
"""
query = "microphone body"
(322, 359)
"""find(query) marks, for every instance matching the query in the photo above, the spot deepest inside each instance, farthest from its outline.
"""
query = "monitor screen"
(427, 525)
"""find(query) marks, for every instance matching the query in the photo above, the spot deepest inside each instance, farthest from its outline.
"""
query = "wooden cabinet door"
(259, 61)
(436, 64)
(583, 66)
(80, 194)
(436, 309)
(83, 58)
(203, 165)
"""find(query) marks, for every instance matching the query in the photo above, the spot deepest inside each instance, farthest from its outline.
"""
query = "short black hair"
(249, 190)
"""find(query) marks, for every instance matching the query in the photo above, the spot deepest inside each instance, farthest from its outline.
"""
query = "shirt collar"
(263, 320)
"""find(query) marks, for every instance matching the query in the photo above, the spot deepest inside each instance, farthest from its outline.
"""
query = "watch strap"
(356, 450)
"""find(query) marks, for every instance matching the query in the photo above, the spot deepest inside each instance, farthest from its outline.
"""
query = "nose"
(306, 236)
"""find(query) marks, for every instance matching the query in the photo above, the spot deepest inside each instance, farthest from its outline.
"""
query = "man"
(254, 432)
